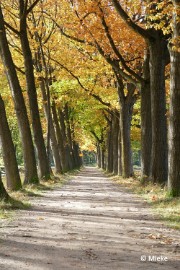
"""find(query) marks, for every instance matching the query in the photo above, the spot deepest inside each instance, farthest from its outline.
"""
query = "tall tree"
(60, 138)
(159, 57)
(20, 108)
(48, 114)
(174, 117)
(44, 169)
(146, 122)
(9, 156)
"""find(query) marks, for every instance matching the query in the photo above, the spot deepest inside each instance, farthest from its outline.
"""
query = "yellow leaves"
(40, 218)
(154, 198)
(175, 44)
(159, 15)
(163, 238)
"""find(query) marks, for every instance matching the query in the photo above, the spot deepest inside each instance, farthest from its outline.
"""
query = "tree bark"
(20, 108)
(102, 154)
(158, 109)
(115, 129)
(146, 122)
(77, 152)
(3, 193)
(119, 151)
(174, 117)
(67, 148)
(69, 136)
(125, 126)
(59, 139)
(54, 144)
(74, 145)
(43, 164)
(99, 156)
(110, 149)
(9, 156)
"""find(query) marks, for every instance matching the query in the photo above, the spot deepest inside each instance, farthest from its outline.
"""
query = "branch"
(82, 86)
(11, 28)
(116, 51)
(15, 47)
(115, 65)
(139, 30)
(107, 119)
(96, 137)
(19, 69)
(106, 57)
(123, 74)
(67, 35)
(32, 6)
(133, 59)
(49, 36)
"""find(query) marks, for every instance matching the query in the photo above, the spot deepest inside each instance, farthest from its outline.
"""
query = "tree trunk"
(69, 136)
(99, 155)
(102, 153)
(54, 144)
(60, 139)
(74, 145)
(20, 108)
(174, 118)
(158, 109)
(119, 151)
(115, 129)
(110, 149)
(43, 164)
(3, 193)
(77, 152)
(67, 148)
(146, 122)
(9, 156)
(125, 126)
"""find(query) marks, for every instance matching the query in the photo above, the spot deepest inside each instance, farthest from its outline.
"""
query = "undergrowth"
(166, 207)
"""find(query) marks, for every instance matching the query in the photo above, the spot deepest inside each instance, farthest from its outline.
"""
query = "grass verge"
(167, 208)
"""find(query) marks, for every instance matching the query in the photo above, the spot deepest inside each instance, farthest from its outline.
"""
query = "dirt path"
(90, 223)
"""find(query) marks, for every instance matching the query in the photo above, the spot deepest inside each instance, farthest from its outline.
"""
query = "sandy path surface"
(89, 223)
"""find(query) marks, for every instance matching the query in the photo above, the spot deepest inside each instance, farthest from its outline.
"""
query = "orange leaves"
(154, 198)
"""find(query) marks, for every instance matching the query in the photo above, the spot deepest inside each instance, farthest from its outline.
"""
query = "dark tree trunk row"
(114, 153)
(65, 140)
(60, 139)
(69, 135)
(20, 108)
(43, 164)
(158, 58)
(53, 139)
